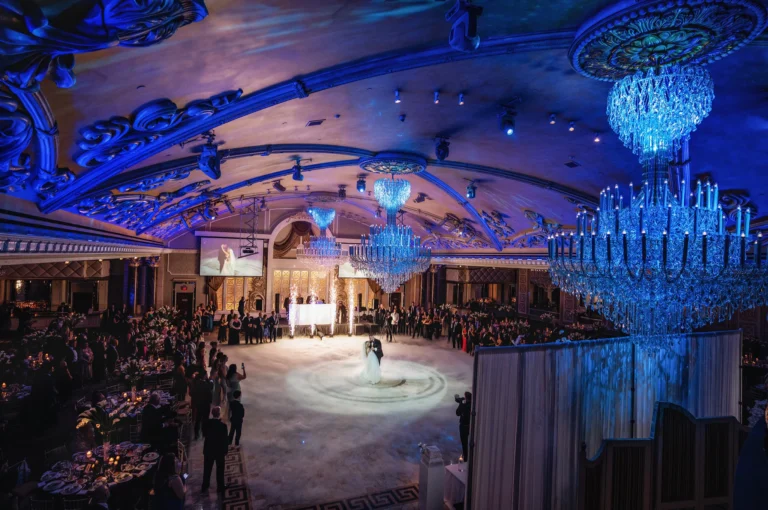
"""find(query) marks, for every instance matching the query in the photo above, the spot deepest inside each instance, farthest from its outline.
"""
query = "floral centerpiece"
(547, 317)
(133, 375)
(104, 424)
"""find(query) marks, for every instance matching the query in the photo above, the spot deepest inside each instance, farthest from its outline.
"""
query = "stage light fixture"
(278, 186)
(263, 204)
(229, 206)
(571, 126)
(442, 148)
(463, 16)
(361, 184)
(297, 175)
(437, 96)
(461, 99)
(342, 191)
(397, 96)
(552, 118)
(597, 138)
(471, 190)
(507, 122)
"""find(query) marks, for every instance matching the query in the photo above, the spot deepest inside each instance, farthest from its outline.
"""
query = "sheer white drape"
(536, 405)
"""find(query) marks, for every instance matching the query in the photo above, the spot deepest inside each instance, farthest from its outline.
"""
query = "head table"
(122, 463)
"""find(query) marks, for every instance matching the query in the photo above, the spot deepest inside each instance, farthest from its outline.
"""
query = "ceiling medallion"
(394, 163)
(629, 37)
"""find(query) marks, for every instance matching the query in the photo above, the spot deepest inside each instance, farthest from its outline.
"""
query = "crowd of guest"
(253, 328)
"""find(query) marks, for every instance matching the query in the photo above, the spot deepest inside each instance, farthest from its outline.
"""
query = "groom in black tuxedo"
(376, 344)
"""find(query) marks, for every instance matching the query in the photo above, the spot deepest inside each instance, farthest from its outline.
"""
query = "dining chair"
(42, 504)
(165, 384)
(150, 382)
(112, 389)
(135, 433)
(75, 504)
(182, 455)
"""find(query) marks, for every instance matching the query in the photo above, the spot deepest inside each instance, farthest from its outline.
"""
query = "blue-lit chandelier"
(322, 251)
(390, 254)
(658, 263)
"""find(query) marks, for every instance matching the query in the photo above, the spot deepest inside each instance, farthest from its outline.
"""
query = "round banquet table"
(128, 478)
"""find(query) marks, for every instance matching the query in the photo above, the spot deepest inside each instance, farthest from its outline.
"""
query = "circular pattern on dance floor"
(337, 387)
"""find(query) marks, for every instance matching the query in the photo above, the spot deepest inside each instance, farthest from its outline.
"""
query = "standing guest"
(180, 384)
(99, 355)
(99, 498)
(202, 397)
(215, 449)
(247, 328)
(213, 353)
(233, 380)
(241, 306)
(396, 320)
(258, 328)
(236, 415)
(168, 487)
(463, 412)
(223, 328)
(388, 327)
(63, 382)
(200, 355)
(112, 357)
(234, 330)
(272, 322)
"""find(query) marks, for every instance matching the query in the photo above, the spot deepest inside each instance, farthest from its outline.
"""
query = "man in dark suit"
(236, 415)
(241, 306)
(202, 397)
(155, 424)
(456, 333)
(463, 412)
(215, 449)
(272, 321)
(258, 328)
(376, 344)
(247, 329)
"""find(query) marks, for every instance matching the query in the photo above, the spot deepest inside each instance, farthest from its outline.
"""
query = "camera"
(463, 36)
(459, 399)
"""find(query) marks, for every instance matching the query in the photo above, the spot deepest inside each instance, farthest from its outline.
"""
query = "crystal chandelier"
(390, 254)
(322, 251)
(657, 263)
(653, 111)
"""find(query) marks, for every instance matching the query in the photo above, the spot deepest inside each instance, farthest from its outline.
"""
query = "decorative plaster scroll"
(34, 44)
(495, 221)
(464, 235)
(155, 181)
(537, 235)
(119, 136)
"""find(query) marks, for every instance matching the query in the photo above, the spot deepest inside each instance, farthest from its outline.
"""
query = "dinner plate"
(151, 456)
(62, 465)
(126, 444)
(145, 466)
(80, 457)
(54, 486)
(123, 477)
(49, 476)
(70, 490)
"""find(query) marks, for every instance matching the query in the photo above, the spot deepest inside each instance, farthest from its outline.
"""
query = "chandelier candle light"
(390, 254)
(322, 251)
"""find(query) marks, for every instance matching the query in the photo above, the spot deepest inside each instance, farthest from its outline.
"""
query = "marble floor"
(315, 432)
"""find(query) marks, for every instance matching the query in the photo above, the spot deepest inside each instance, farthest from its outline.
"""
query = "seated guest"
(99, 498)
(169, 488)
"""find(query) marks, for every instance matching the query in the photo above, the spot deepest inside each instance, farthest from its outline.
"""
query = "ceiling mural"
(386, 107)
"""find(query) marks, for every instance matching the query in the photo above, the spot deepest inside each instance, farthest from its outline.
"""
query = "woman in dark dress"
(169, 489)
(223, 328)
(234, 331)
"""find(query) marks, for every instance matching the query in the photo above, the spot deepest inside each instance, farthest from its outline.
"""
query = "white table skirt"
(455, 483)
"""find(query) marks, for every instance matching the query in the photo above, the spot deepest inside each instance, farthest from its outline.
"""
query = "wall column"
(133, 284)
(152, 263)
(522, 291)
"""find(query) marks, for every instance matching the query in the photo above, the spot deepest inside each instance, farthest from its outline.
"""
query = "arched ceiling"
(340, 62)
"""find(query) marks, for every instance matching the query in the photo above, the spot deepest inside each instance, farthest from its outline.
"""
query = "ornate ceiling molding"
(630, 36)
(394, 163)
(536, 236)
(299, 88)
(34, 45)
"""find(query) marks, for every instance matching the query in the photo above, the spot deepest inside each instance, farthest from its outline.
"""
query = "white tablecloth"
(317, 314)
(455, 483)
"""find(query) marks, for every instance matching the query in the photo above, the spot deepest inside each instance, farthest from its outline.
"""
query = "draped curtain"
(536, 405)
(299, 229)
(214, 283)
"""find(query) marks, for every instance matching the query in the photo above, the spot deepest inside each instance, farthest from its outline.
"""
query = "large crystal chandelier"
(321, 251)
(390, 254)
(656, 263)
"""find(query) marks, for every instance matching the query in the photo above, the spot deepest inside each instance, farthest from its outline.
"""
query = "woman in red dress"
(464, 338)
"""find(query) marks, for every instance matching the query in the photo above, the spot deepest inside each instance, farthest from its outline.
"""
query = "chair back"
(135, 433)
(112, 389)
(76, 504)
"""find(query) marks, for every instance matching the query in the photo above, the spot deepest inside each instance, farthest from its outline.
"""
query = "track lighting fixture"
(437, 96)
(552, 118)
(297, 175)
(278, 186)
(461, 99)
(377, 214)
(361, 184)
(397, 96)
(471, 190)
(441, 148)
(507, 121)
(597, 137)
(208, 212)
(571, 126)
(342, 191)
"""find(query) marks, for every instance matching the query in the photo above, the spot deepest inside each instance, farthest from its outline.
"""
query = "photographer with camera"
(463, 412)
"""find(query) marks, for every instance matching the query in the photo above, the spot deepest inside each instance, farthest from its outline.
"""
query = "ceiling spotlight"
(361, 184)
(208, 212)
(279, 187)
(377, 214)
(297, 175)
(552, 118)
(342, 191)
(471, 190)
(507, 121)
(571, 126)
(597, 137)
(397, 96)
(437, 96)
(461, 99)
(441, 148)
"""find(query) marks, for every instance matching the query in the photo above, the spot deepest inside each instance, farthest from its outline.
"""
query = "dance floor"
(315, 432)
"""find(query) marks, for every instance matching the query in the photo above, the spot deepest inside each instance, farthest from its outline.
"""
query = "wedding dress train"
(371, 369)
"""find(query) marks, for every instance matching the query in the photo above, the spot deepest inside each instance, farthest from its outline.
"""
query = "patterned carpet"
(236, 496)
(389, 499)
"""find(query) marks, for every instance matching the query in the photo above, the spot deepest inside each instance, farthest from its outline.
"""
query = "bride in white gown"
(371, 369)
